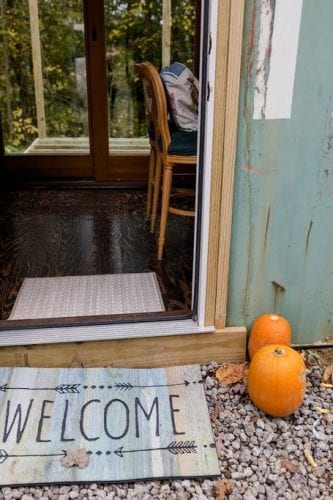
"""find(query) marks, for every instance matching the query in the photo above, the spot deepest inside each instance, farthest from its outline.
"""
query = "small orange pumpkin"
(276, 380)
(269, 329)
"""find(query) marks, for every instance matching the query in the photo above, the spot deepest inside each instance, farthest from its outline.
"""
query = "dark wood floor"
(57, 232)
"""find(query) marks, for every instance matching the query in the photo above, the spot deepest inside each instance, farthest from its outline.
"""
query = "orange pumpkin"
(276, 380)
(269, 329)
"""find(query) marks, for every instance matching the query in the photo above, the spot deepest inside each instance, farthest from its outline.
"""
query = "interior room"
(76, 152)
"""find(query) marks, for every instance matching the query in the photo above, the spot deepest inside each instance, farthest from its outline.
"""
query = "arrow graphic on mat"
(127, 386)
(175, 448)
(4, 455)
(61, 389)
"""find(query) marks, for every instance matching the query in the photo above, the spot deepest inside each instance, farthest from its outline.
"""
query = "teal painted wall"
(282, 238)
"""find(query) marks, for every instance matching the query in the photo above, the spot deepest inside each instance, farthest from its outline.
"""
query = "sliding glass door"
(70, 102)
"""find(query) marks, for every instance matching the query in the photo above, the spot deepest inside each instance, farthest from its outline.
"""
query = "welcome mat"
(67, 296)
(103, 425)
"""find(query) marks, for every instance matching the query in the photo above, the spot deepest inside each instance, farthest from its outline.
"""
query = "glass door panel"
(43, 90)
(133, 34)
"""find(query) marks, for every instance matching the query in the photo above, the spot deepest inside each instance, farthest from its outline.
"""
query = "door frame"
(219, 176)
(196, 342)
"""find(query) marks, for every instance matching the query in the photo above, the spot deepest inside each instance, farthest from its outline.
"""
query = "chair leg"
(167, 181)
(151, 174)
(157, 186)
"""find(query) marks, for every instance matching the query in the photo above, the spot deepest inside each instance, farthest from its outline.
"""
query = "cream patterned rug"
(97, 295)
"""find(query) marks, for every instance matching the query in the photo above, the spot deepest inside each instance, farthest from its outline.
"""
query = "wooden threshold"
(226, 345)
(54, 334)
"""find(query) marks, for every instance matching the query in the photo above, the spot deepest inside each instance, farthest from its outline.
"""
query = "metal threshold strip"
(86, 333)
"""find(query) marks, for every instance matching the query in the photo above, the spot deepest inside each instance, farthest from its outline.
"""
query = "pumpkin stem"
(278, 351)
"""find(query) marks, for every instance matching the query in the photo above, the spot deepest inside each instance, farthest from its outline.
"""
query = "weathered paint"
(282, 68)
(132, 424)
(276, 59)
(263, 57)
(282, 245)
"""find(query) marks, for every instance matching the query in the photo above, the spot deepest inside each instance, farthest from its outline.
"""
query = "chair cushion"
(182, 143)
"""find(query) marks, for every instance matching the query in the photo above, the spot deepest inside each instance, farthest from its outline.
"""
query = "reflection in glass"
(134, 34)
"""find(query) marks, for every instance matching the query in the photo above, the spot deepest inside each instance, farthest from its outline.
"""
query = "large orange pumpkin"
(276, 380)
(269, 329)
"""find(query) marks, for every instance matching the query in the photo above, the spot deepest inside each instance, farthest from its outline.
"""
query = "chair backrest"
(155, 104)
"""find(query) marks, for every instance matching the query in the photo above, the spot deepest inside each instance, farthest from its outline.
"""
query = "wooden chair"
(169, 147)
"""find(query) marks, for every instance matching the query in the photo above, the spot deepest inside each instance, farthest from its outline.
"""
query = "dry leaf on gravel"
(311, 357)
(223, 488)
(245, 374)
(229, 373)
(219, 443)
(214, 415)
(328, 375)
(309, 457)
(290, 466)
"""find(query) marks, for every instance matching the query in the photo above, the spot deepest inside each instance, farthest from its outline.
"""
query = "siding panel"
(282, 244)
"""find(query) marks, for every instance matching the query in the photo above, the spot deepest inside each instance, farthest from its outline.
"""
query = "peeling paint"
(279, 290)
(249, 257)
(278, 286)
(308, 236)
(280, 22)
(264, 50)
(328, 138)
(258, 171)
(267, 226)
(285, 37)
(325, 170)
(247, 168)
(252, 38)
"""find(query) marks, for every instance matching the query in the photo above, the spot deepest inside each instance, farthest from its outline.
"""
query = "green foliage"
(60, 45)
(133, 34)
(183, 31)
(22, 128)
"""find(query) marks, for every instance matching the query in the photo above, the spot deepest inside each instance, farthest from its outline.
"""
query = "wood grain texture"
(217, 156)
(85, 232)
(230, 144)
(97, 94)
(37, 67)
(133, 424)
(229, 45)
(166, 32)
(226, 345)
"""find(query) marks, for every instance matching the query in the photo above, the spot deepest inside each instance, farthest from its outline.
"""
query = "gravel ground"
(260, 456)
